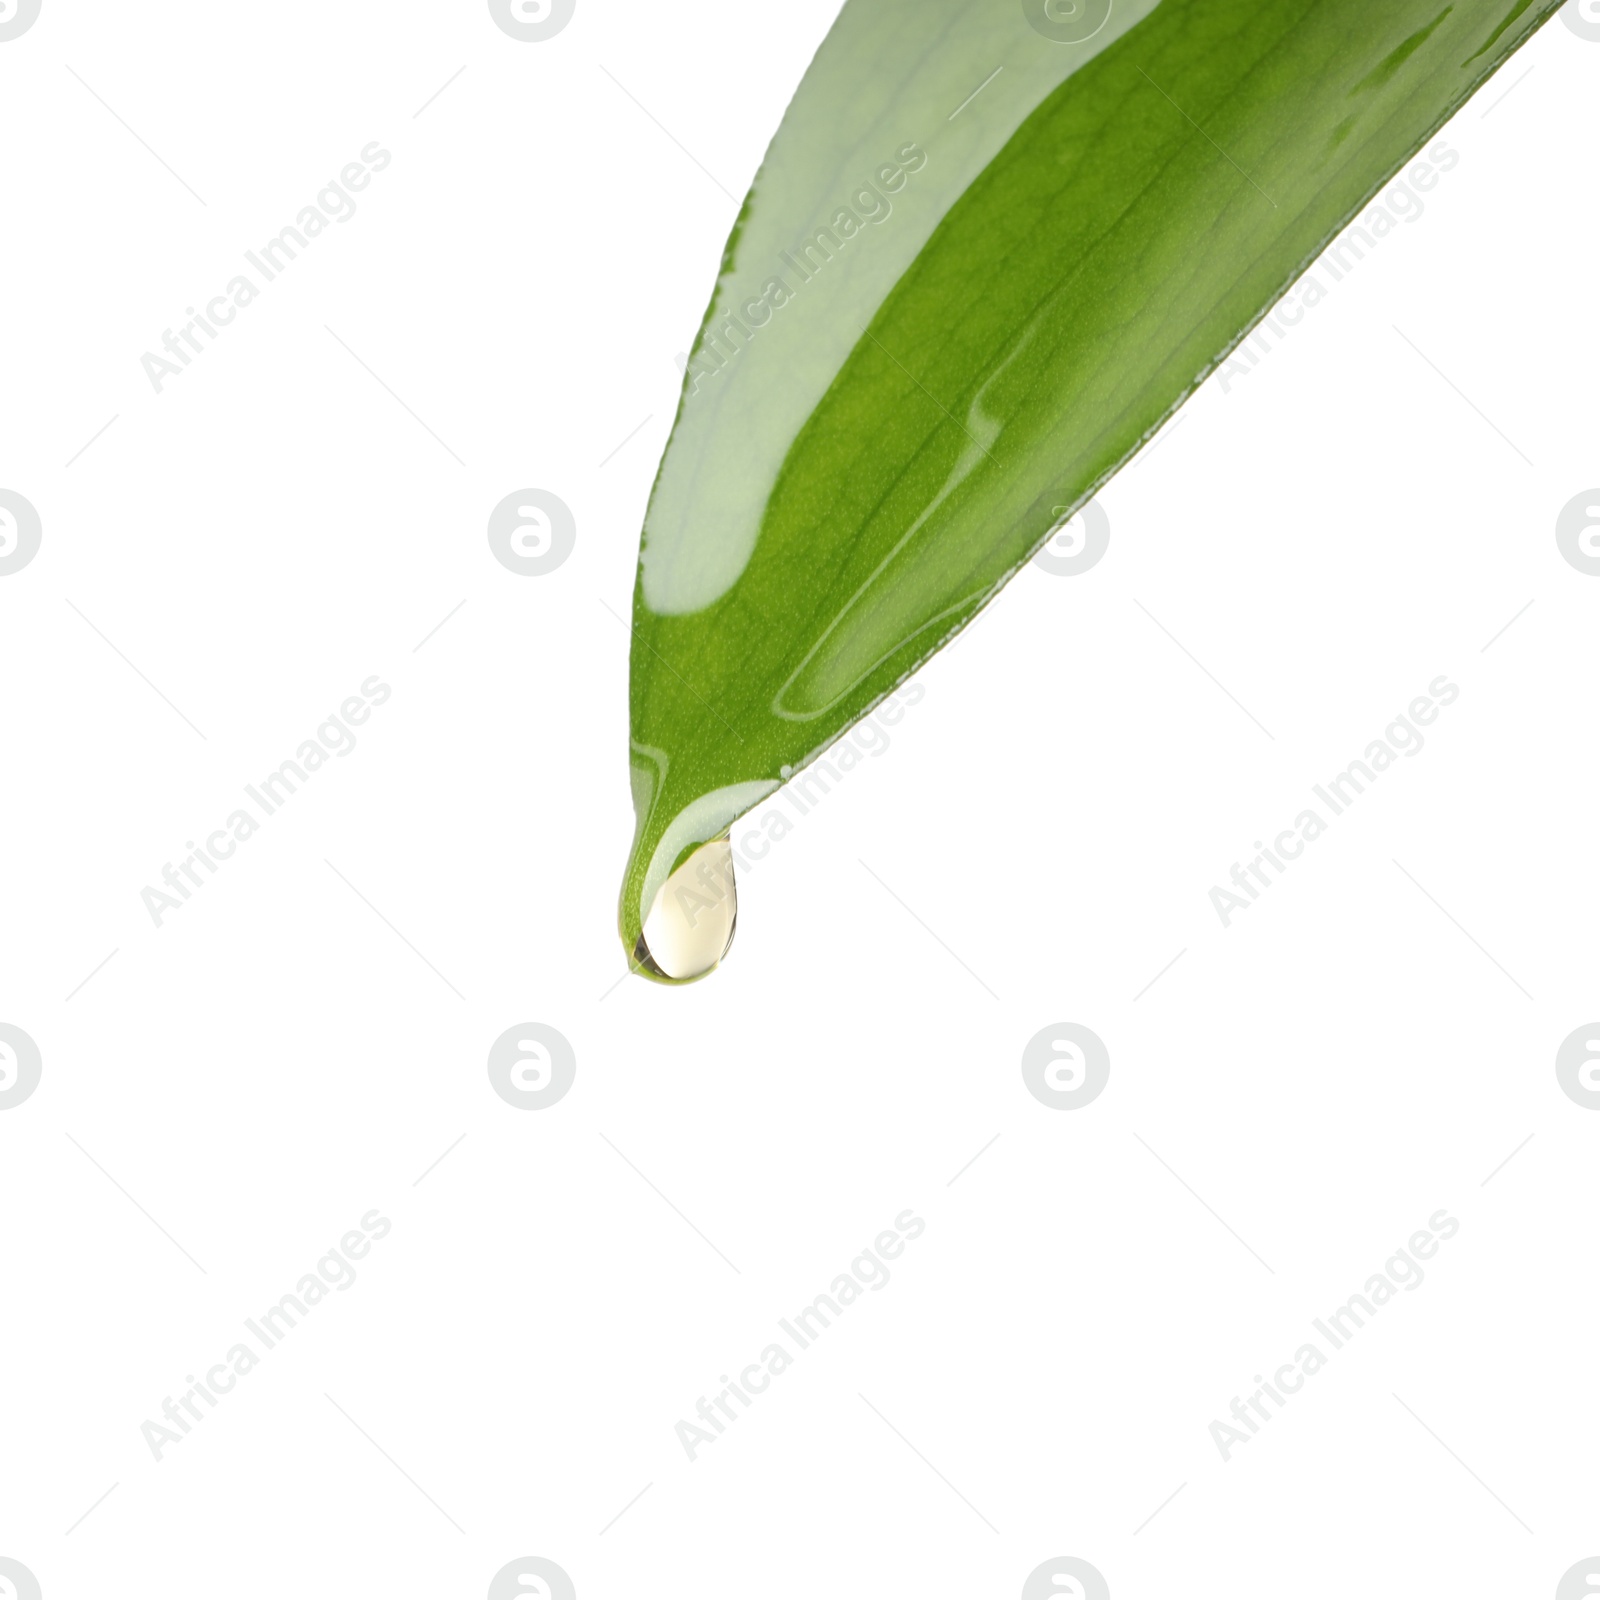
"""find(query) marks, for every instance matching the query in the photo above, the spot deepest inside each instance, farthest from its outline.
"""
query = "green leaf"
(992, 247)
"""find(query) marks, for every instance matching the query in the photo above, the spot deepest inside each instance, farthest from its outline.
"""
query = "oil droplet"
(692, 917)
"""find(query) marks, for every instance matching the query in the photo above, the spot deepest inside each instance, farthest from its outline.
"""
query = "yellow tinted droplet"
(692, 917)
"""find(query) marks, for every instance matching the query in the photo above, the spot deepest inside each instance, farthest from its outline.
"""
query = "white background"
(1290, 1100)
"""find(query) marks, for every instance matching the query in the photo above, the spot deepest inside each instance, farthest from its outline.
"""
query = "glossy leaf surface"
(954, 304)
